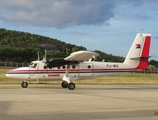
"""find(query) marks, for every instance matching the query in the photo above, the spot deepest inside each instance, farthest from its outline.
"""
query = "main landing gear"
(24, 84)
(70, 86)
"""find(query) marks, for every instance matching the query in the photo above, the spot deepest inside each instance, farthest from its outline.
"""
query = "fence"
(13, 64)
(146, 72)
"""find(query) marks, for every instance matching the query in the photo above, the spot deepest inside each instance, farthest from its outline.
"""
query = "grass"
(126, 78)
(4, 79)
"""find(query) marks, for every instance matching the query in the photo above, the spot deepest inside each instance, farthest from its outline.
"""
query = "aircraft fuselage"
(83, 70)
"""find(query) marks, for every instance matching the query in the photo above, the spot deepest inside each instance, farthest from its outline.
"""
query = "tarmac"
(86, 102)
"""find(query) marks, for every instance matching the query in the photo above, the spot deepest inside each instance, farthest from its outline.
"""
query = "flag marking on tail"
(138, 46)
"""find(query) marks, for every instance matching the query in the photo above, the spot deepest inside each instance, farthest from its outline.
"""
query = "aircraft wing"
(73, 58)
(81, 56)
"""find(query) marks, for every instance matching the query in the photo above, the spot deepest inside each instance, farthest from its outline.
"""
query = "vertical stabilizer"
(138, 54)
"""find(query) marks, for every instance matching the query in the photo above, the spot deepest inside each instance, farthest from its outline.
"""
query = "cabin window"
(50, 67)
(73, 66)
(109, 66)
(58, 67)
(89, 66)
(63, 67)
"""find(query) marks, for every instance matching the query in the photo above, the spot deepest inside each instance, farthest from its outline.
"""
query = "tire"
(64, 84)
(71, 86)
(24, 84)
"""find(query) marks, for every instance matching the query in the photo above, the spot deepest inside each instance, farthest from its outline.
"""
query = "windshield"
(33, 65)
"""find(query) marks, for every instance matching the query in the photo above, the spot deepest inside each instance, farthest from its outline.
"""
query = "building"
(51, 48)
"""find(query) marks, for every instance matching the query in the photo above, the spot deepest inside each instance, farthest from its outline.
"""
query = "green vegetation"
(15, 39)
(23, 47)
(108, 57)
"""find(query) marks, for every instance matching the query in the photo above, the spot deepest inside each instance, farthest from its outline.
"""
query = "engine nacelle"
(59, 62)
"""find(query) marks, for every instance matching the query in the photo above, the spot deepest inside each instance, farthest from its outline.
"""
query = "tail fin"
(138, 54)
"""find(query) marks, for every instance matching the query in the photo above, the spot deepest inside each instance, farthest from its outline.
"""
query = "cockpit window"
(33, 65)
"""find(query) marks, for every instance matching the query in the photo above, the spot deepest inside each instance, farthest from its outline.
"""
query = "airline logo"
(138, 46)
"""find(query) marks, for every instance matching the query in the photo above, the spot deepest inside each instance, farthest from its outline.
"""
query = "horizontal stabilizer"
(138, 58)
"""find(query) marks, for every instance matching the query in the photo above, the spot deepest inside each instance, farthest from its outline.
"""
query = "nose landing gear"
(24, 84)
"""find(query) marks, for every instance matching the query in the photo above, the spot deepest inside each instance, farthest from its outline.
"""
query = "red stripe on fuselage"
(71, 71)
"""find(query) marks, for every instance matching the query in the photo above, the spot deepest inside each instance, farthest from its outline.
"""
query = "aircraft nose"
(7, 74)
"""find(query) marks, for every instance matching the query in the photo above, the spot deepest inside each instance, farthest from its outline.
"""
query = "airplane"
(78, 65)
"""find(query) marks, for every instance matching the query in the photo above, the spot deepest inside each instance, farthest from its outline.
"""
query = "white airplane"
(78, 66)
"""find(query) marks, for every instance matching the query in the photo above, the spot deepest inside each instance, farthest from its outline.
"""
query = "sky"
(106, 25)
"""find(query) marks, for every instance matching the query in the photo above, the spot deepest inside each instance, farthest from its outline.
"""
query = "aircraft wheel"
(64, 84)
(24, 84)
(71, 86)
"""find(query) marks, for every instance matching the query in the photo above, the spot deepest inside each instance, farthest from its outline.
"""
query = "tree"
(154, 63)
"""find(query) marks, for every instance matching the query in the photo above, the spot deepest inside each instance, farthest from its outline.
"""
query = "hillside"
(16, 39)
(23, 46)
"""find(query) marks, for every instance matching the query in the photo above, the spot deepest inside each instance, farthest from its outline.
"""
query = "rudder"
(138, 54)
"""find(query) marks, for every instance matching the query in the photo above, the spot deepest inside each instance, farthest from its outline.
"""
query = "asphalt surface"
(86, 102)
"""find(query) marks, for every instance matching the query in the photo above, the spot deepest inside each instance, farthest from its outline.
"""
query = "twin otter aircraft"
(79, 65)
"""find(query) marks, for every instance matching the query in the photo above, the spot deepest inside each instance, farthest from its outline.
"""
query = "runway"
(86, 102)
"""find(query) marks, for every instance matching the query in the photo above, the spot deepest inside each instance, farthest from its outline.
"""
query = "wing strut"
(69, 79)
